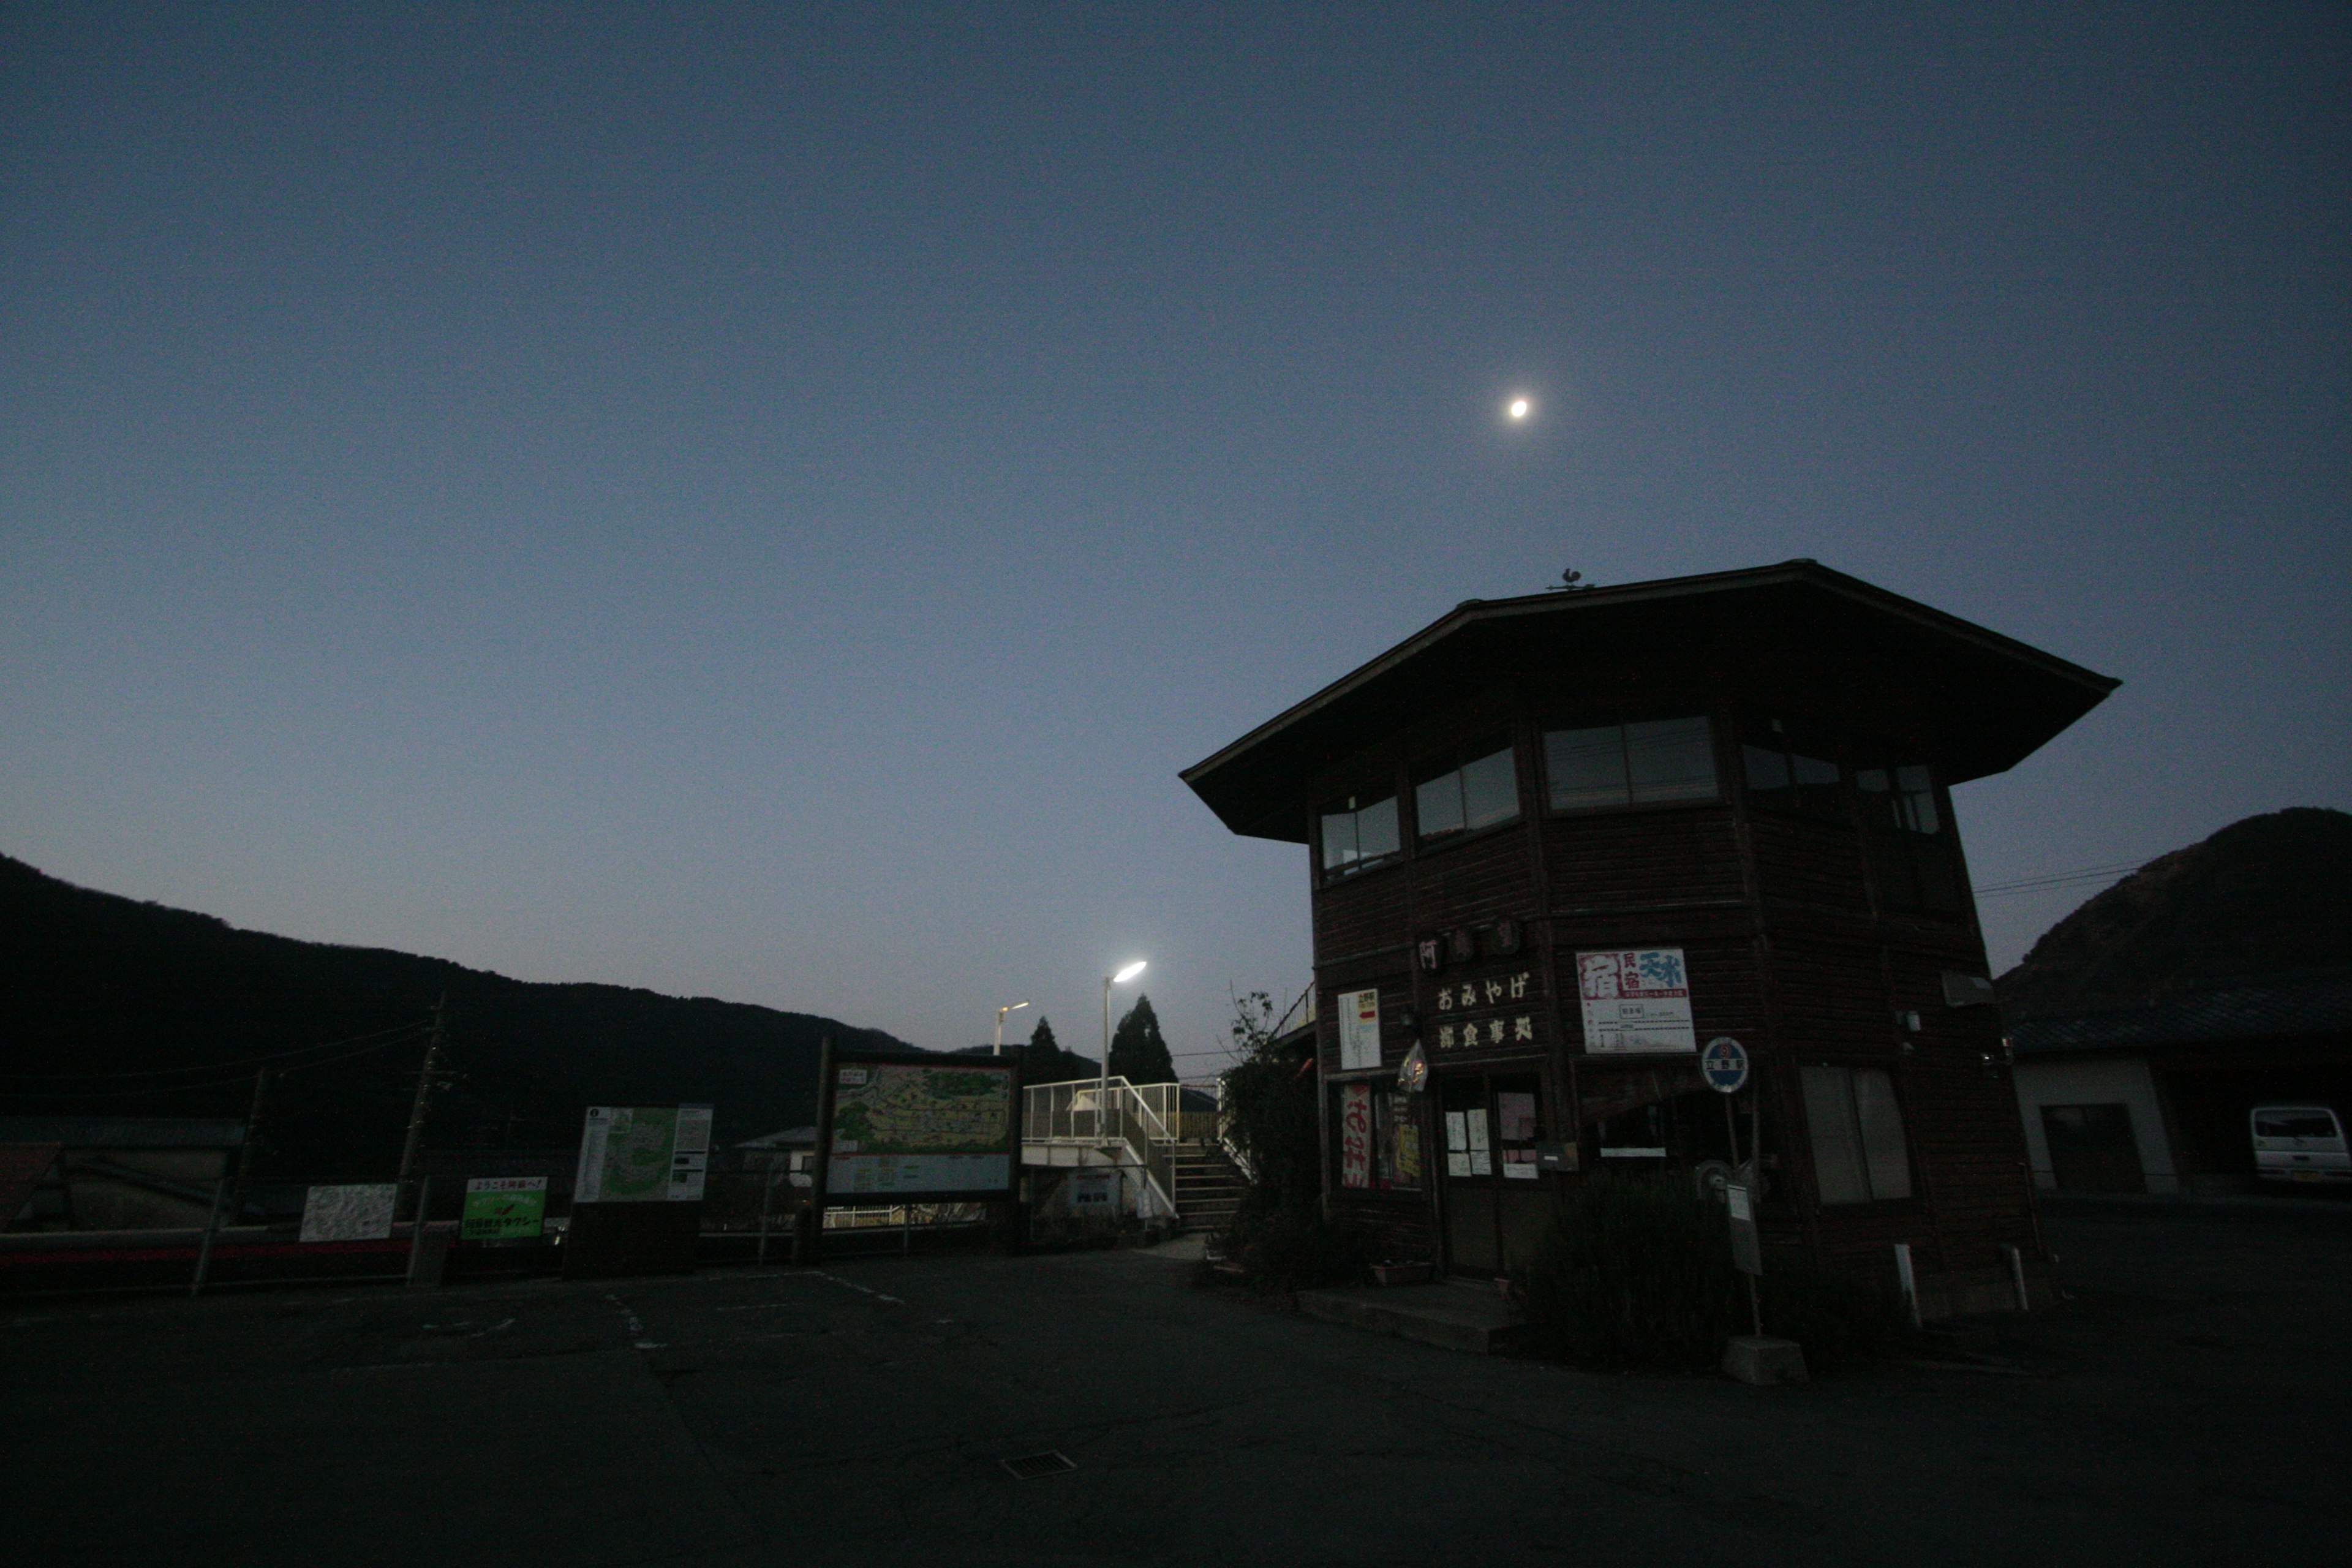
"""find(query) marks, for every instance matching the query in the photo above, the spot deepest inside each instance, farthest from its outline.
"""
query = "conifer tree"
(1137, 1054)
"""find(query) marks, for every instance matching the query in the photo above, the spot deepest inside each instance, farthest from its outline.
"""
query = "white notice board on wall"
(1636, 999)
(1359, 1029)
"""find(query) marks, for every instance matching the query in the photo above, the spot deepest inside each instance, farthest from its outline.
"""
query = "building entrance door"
(1494, 1200)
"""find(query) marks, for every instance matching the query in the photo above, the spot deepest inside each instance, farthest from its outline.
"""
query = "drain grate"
(1029, 1467)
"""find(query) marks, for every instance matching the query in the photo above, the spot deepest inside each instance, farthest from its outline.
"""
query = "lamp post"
(1102, 1094)
(1010, 1007)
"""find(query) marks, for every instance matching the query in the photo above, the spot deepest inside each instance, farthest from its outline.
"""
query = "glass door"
(1494, 1199)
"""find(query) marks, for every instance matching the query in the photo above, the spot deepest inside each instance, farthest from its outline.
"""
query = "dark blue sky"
(762, 501)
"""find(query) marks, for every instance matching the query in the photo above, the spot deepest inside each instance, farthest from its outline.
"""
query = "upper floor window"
(1630, 764)
(1454, 796)
(1785, 775)
(1912, 852)
(1358, 831)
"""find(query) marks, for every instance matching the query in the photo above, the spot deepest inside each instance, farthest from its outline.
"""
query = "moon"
(1519, 409)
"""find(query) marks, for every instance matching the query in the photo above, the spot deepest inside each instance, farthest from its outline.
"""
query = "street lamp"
(1102, 1094)
(1011, 1007)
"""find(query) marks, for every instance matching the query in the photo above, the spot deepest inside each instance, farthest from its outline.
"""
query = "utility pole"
(245, 1150)
(423, 1094)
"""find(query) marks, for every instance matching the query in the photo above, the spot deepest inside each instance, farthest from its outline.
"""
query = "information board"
(901, 1129)
(644, 1154)
(1359, 1029)
(504, 1208)
(360, 1213)
(1635, 999)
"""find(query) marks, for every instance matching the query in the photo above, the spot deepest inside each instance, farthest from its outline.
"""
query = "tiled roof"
(2285, 1006)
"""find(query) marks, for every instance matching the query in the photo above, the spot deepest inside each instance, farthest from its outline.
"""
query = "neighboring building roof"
(22, 1166)
(790, 1138)
(123, 1131)
(2283, 1006)
(1997, 700)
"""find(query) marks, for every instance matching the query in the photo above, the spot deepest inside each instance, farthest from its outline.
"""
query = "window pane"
(1813, 772)
(1376, 829)
(1339, 846)
(1767, 769)
(1917, 807)
(1490, 789)
(1586, 767)
(1837, 1142)
(1881, 1120)
(1437, 804)
(1670, 760)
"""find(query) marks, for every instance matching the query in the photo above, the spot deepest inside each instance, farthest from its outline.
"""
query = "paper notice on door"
(1515, 1115)
(1519, 1164)
(1475, 1123)
(1457, 1145)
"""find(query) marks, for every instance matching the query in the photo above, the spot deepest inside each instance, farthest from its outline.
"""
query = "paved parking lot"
(2187, 1406)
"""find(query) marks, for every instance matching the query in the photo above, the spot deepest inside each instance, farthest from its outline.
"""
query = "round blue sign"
(1725, 1063)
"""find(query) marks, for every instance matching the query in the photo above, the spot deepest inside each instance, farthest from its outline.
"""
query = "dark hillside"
(125, 1008)
(2264, 896)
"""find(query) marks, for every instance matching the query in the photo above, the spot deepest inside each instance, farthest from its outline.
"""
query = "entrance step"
(1479, 1321)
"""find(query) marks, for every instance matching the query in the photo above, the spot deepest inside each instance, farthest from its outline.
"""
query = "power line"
(382, 1036)
(2059, 879)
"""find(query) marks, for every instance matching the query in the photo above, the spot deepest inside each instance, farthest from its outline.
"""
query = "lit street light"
(1010, 1007)
(1102, 1094)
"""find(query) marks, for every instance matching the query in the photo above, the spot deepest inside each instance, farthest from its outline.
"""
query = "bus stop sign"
(1725, 1063)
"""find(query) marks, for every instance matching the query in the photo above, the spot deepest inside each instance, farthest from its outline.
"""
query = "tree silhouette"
(1137, 1054)
(1043, 1060)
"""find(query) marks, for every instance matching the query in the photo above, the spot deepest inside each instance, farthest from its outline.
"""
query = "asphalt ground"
(2188, 1405)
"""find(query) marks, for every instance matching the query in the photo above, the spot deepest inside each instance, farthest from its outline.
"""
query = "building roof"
(790, 1138)
(2269, 1008)
(123, 1131)
(1994, 699)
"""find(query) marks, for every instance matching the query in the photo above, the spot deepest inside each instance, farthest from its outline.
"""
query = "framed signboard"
(892, 1128)
(644, 1154)
(1635, 999)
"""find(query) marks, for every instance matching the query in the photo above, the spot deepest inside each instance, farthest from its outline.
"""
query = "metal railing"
(1132, 1123)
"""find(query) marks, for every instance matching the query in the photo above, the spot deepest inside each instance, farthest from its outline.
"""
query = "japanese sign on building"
(1501, 1003)
(1359, 1029)
(1635, 999)
(504, 1208)
(1355, 1135)
(644, 1154)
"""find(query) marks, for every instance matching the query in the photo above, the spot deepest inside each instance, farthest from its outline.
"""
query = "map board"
(644, 1154)
(361, 1213)
(1636, 999)
(901, 1129)
(504, 1208)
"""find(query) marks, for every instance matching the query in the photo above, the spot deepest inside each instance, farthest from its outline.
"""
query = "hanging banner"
(1636, 999)
(1355, 1135)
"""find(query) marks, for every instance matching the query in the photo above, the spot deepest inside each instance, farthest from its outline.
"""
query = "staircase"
(1208, 1186)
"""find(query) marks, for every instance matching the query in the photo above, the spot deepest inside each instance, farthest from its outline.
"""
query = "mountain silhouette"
(2268, 895)
(125, 1008)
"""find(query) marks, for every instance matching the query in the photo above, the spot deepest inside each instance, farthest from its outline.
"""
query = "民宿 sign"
(1635, 999)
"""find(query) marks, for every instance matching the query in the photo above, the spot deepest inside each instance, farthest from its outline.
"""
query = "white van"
(2299, 1144)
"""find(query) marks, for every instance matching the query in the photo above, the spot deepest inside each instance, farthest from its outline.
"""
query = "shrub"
(1636, 1270)
(1289, 1251)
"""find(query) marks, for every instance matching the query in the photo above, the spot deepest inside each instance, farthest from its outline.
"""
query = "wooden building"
(1559, 842)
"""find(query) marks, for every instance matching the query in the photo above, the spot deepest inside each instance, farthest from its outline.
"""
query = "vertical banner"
(1355, 1134)
(1636, 999)
(1359, 1029)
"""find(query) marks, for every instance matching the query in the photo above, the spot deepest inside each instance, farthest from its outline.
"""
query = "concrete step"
(1453, 1316)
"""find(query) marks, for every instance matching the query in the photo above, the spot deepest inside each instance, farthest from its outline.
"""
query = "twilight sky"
(761, 502)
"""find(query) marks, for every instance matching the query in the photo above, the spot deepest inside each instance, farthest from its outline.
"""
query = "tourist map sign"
(644, 1154)
(1635, 999)
(504, 1208)
(903, 1128)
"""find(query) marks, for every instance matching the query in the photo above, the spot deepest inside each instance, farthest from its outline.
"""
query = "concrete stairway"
(1208, 1186)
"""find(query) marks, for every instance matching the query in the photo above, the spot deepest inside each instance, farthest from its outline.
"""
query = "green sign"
(504, 1208)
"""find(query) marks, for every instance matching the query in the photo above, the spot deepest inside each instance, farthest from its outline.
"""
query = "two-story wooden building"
(1561, 842)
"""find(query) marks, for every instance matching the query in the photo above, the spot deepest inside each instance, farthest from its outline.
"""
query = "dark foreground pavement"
(2188, 1406)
